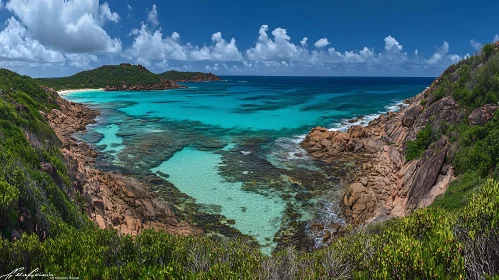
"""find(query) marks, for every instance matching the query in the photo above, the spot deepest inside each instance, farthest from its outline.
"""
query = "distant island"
(189, 76)
(125, 77)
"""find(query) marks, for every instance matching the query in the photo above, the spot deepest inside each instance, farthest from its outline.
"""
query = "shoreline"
(68, 91)
(111, 198)
(387, 185)
(364, 195)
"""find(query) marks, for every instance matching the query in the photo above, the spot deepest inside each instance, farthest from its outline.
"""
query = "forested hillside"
(108, 75)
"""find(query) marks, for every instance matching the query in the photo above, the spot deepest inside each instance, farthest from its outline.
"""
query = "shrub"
(488, 50)
(417, 147)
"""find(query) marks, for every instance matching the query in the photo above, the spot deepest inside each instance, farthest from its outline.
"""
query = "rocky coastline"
(163, 85)
(111, 199)
(386, 184)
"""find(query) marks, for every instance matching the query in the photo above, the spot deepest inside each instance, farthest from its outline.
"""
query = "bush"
(488, 50)
(416, 148)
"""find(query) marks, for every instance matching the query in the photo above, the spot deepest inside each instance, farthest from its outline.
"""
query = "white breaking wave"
(288, 148)
(345, 124)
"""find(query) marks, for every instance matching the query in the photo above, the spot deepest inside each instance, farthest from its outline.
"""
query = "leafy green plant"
(417, 147)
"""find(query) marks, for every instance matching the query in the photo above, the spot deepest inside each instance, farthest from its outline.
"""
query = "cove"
(196, 173)
(227, 154)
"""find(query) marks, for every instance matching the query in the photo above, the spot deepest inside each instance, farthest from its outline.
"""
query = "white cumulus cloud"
(151, 46)
(476, 45)
(69, 26)
(496, 38)
(81, 60)
(393, 51)
(392, 44)
(303, 42)
(321, 43)
(152, 17)
(148, 45)
(16, 45)
(442, 56)
(279, 49)
(221, 50)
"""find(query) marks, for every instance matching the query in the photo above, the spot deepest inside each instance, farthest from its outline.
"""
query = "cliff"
(407, 158)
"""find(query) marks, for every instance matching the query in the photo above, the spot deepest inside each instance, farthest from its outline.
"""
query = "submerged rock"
(118, 200)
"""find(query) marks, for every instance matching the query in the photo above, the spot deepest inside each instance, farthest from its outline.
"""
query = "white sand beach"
(63, 92)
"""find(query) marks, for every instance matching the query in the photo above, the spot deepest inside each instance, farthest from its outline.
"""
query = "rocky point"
(387, 185)
(112, 199)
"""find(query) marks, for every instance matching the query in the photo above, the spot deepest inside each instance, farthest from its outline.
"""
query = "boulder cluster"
(163, 85)
(386, 184)
(113, 199)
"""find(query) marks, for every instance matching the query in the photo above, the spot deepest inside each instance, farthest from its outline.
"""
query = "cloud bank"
(72, 33)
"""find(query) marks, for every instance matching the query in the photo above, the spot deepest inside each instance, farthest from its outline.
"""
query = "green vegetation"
(457, 237)
(472, 82)
(430, 244)
(416, 148)
(108, 75)
(183, 76)
(26, 140)
(117, 75)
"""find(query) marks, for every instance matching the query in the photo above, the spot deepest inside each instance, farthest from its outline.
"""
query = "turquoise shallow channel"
(233, 146)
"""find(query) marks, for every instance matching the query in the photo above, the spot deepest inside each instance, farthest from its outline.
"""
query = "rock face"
(163, 85)
(483, 114)
(113, 199)
(387, 185)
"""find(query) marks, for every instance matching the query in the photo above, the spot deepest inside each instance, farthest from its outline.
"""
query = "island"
(189, 76)
(125, 77)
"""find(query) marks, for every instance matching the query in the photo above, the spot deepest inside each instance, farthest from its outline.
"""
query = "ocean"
(229, 152)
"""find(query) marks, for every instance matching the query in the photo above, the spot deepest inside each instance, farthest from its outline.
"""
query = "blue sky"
(343, 38)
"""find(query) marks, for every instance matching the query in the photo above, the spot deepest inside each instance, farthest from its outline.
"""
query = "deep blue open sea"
(233, 146)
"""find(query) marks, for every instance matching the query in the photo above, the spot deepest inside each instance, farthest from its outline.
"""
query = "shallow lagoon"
(233, 146)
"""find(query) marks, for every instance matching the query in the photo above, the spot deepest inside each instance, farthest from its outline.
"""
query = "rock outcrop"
(113, 199)
(483, 114)
(163, 85)
(387, 185)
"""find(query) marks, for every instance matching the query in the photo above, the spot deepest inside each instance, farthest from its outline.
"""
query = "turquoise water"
(233, 146)
(111, 141)
(254, 214)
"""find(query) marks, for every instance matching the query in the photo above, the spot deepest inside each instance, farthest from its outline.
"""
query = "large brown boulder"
(359, 203)
(427, 172)
(481, 115)
(444, 110)
(411, 114)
